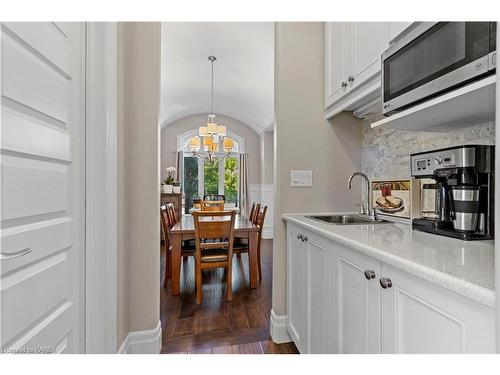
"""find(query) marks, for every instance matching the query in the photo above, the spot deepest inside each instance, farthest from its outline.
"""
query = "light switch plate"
(300, 178)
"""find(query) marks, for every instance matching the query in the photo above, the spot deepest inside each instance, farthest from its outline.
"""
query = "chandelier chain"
(212, 59)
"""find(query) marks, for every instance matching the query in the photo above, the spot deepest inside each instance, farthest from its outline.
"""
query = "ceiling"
(243, 72)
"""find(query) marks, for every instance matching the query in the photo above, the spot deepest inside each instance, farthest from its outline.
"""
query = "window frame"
(182, 141)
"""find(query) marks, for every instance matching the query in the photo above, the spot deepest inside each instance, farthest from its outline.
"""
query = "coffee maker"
(463, 191)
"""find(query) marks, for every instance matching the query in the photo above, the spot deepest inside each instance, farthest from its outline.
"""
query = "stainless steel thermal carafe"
(465, 208)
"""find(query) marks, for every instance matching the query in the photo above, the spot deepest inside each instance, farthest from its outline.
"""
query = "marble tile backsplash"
(386, 153)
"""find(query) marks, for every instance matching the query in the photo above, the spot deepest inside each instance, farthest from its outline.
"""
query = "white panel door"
(42, 181)
(357, 302)
(297, 287)
(337, 55)
(421, 317)
(369, 40)
(320, 290)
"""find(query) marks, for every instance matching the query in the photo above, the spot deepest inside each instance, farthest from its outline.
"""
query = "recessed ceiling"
(243, 72)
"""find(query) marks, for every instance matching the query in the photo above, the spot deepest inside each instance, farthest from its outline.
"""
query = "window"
(202, 176)
(231, 174)
(190, 179)
(211, 177)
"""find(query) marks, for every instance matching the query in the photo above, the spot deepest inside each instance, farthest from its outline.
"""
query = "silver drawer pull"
(385, 282)
(15, 254)
(370, 274)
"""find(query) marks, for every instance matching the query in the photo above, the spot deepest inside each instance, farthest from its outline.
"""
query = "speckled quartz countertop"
(465, 267)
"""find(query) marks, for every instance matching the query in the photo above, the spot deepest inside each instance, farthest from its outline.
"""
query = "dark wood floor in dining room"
(217, 326)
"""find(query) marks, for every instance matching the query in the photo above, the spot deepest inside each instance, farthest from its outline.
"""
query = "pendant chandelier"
(212, 137)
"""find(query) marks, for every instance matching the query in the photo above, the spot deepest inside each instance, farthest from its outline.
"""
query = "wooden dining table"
(184, 230)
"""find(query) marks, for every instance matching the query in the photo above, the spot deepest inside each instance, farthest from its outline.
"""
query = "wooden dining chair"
(187, 247)
(253, 218)
(214, 197)
(212, 206)
(165, 225)
(174, 217)
(241, 244)
(252, 210)
(214, 246)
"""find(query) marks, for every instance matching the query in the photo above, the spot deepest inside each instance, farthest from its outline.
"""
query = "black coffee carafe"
(445, 204)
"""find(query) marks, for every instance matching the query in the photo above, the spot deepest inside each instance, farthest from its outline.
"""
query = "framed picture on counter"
(392, 198)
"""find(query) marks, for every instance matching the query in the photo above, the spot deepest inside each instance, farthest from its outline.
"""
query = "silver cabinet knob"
(344, 84)
(370, 274)
(350, 78)
(385, 282)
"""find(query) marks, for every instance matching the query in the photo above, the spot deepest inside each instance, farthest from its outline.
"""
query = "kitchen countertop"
(465, 267)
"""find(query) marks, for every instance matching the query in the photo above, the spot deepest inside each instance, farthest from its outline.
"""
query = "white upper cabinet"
(396, 28)
(337, 60)
(352, 62)
(368, 41)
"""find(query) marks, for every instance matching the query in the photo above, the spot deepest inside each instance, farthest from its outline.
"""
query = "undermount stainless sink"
(347, 219)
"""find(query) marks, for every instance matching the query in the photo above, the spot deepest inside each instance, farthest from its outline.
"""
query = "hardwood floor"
(216, 326)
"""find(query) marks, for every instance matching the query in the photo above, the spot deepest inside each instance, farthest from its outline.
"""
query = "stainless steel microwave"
(433, 58)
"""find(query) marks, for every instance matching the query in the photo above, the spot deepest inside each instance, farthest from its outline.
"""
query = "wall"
(138, 262)
(267, 158)
(386, 153)
(305, 140)
(170, 132)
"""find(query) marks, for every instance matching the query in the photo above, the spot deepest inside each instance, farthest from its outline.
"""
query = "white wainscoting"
(264, 194)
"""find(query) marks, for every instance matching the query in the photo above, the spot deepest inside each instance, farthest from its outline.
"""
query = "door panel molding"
(43, 188)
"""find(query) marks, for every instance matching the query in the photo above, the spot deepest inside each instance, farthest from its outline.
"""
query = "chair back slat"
(253, 219)
(165, 224)
(172, 214)
(261, 217)
(212, 206)
(214, 225)
(252, 210)
(214, 197)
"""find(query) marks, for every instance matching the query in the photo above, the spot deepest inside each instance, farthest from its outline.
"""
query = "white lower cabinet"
(297, 288)
(342, 301)
(421, 317)
(320, 291)
(357, 302)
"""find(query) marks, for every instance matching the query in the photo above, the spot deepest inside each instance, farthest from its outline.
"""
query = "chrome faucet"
(368, 201)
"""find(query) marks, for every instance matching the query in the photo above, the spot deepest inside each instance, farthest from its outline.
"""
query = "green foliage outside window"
(231, 180)
(212, 177)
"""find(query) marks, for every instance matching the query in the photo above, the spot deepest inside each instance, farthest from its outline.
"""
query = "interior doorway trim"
(101, 188)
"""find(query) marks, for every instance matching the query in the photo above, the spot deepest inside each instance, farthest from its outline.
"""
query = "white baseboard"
(142, 342)
(279, 333)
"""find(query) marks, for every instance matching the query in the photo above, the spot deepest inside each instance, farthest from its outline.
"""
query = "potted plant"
(176, 187)
(168, 182)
